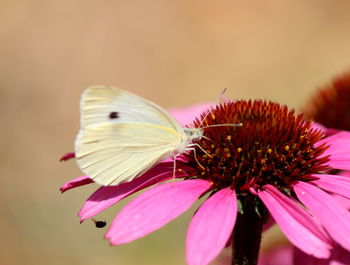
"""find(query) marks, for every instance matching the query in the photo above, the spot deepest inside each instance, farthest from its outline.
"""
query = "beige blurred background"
(175, 53)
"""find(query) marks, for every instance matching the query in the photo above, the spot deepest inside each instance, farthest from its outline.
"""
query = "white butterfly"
(123, 135)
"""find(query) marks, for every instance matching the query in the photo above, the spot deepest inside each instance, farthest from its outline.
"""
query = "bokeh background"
(175, 53)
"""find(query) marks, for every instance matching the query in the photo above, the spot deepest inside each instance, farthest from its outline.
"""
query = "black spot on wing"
(114, 115)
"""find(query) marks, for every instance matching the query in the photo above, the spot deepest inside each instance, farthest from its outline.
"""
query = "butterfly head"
(193, 133)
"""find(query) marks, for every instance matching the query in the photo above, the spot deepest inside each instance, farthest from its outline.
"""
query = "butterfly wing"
(111, 104)
(122, 135)
(112, 153)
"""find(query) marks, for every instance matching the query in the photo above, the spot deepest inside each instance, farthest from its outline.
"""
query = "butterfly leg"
(201, 148)
(195, 156)
(174, 168)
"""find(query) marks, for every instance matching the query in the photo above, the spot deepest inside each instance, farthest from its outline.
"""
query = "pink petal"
(67, 156)
(325, 130)
(186, 115)
(336, 184)
(77, 182)
(300, 257)
(331, 131)
(106, 196)
(318, 126)
(295, 222)
(211, 227)
(344, 202)
(154, 208)
(334, 217)
(339, 150)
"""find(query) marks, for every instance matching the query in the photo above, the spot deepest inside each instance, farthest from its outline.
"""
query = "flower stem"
(247, 233)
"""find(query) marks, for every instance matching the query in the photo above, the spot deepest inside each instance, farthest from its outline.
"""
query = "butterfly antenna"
(206, 115)
(223, 91)
(219, 99)
(222, 98)
(224, 124)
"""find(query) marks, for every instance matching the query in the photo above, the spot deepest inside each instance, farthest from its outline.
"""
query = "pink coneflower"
(276, 165)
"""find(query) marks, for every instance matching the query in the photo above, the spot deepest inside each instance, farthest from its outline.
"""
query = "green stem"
(247, 233)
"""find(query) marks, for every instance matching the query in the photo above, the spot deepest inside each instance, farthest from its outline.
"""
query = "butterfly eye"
(114, 115)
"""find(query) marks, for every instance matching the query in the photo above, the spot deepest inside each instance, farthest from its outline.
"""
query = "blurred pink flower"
(289, 255)
(330, 105)
(339, 256)
(279, 255)
(276, 255)
(275, 158)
